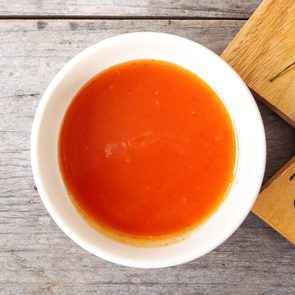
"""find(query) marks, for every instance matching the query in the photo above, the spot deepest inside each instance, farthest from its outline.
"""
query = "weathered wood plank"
(36, 257)
(132, 8)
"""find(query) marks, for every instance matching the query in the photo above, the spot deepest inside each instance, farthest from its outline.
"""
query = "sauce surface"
(147, 149)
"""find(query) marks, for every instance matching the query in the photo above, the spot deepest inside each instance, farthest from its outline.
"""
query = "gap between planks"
(107, 17)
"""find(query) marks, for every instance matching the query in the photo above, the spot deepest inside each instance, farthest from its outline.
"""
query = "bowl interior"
(208, 66)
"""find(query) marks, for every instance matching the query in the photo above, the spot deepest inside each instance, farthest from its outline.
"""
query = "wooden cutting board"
(263, 53)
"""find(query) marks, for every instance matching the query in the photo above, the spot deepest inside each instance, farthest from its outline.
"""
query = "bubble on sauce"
(108, 150)
(124, 144)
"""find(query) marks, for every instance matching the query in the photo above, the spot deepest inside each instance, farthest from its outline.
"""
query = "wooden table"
(37, 39)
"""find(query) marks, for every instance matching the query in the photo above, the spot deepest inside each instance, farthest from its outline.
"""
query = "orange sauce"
(147, 149)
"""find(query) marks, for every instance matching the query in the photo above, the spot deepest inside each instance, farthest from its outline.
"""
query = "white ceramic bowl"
(229, 87)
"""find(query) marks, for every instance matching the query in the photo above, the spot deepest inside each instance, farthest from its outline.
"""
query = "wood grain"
(37, 258)
(276, 202)
(265, 47)
(259, 53)
(130, 8)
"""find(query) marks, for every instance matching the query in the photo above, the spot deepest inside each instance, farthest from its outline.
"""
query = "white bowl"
(229, 87)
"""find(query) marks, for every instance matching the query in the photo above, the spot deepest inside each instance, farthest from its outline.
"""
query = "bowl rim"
(46, 199)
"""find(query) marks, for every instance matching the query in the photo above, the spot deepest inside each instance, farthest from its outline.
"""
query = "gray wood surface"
(36, 257)
(131, 8)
